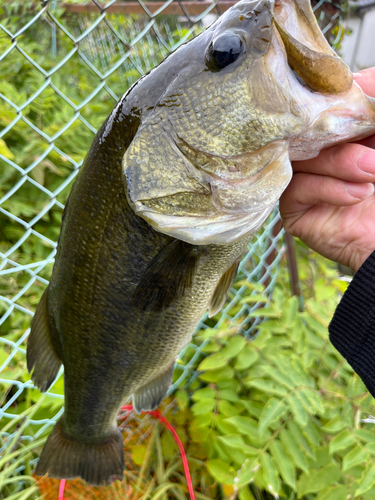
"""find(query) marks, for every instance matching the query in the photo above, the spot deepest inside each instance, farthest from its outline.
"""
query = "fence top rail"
(194, 8)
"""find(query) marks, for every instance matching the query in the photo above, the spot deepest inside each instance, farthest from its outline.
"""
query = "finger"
(306, 190)
(366, 80)
(349, 162)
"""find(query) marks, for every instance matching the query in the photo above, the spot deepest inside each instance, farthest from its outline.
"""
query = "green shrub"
(283, 413)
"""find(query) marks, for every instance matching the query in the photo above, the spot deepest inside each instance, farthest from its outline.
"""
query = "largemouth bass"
(185, 169)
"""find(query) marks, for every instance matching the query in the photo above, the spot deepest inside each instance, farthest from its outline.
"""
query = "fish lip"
(308, 53)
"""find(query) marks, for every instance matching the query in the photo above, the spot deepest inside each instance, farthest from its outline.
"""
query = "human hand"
(330, 202)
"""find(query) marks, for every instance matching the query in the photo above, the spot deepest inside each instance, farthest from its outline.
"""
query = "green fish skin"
(185, 169)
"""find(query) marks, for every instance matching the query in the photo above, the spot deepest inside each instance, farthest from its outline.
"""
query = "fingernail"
(357, 75)
(359, 191)
(366, 162)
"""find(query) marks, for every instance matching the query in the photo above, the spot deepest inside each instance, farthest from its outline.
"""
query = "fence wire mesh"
(63, 68)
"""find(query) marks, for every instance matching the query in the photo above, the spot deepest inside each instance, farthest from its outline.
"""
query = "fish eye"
(224, 51)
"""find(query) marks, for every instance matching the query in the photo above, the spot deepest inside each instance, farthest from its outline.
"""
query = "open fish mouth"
(308, 52)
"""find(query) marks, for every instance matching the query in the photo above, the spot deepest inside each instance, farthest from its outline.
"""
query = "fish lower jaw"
(225, 230)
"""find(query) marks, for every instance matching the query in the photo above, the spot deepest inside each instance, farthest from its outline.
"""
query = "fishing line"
(61, 489)
(170, 427)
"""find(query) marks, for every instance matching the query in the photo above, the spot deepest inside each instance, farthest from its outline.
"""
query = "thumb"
(366, 80)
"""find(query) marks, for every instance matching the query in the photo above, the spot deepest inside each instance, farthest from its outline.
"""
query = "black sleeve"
(352, 329)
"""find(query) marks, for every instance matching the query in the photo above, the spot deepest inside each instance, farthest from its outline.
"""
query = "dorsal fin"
(222, 288)
(167, 278)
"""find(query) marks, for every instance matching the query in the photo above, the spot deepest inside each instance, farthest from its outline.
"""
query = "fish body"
(185, 169)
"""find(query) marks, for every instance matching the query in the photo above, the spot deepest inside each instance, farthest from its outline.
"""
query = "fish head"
(335, 108)
(257, 89)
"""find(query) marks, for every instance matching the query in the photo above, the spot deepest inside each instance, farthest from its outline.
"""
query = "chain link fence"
(63, 68)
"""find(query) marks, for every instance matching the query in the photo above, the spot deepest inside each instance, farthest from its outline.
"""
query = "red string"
(61, 489)
(169, 426)
(165, 422)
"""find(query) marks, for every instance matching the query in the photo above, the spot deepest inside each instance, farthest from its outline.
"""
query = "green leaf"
(205, 393)
(247, 472)
(289, 311)
(315, 325)
(295, 372)
(365, 435)
(334, 425)
(356, 456)
(341, 441)
(305, 401)
(259, 287)
(318, 479)
(139, 453)
(319, 311)
(278, 297)
(280, 377)
(236, 441)
(247, 357)
(333, 493)
(223, 426)
(267, 386)
(245, 494)
(227, 409)
(234, 346)
(229, 395)
(266, 312)
(314, 340)
(216, 376)
(270, 474)
(5, 151)
(272, 325)
(297, 409)
(253, 407)
(203, 406)
(284, 463)
(293, 450)
(182, 399)
(221, 471)
(367, 480)
(272, 410)
(213, 362)
(233, 440)
(253, 299)
(322, 291)
(202, 420)
(232, 454)
(300, 439)
(245, 425)
(312, 433)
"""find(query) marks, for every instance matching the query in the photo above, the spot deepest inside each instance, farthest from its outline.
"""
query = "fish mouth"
(308, 52)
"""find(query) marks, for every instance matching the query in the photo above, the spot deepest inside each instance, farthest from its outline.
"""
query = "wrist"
(359, 257)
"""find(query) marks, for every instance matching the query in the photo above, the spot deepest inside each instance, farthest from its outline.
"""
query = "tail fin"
(98, 464)
(42, 361)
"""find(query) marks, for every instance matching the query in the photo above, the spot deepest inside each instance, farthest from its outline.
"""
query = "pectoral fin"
(42, 361)
(222, 289)
(167, 278)
(149, 396)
